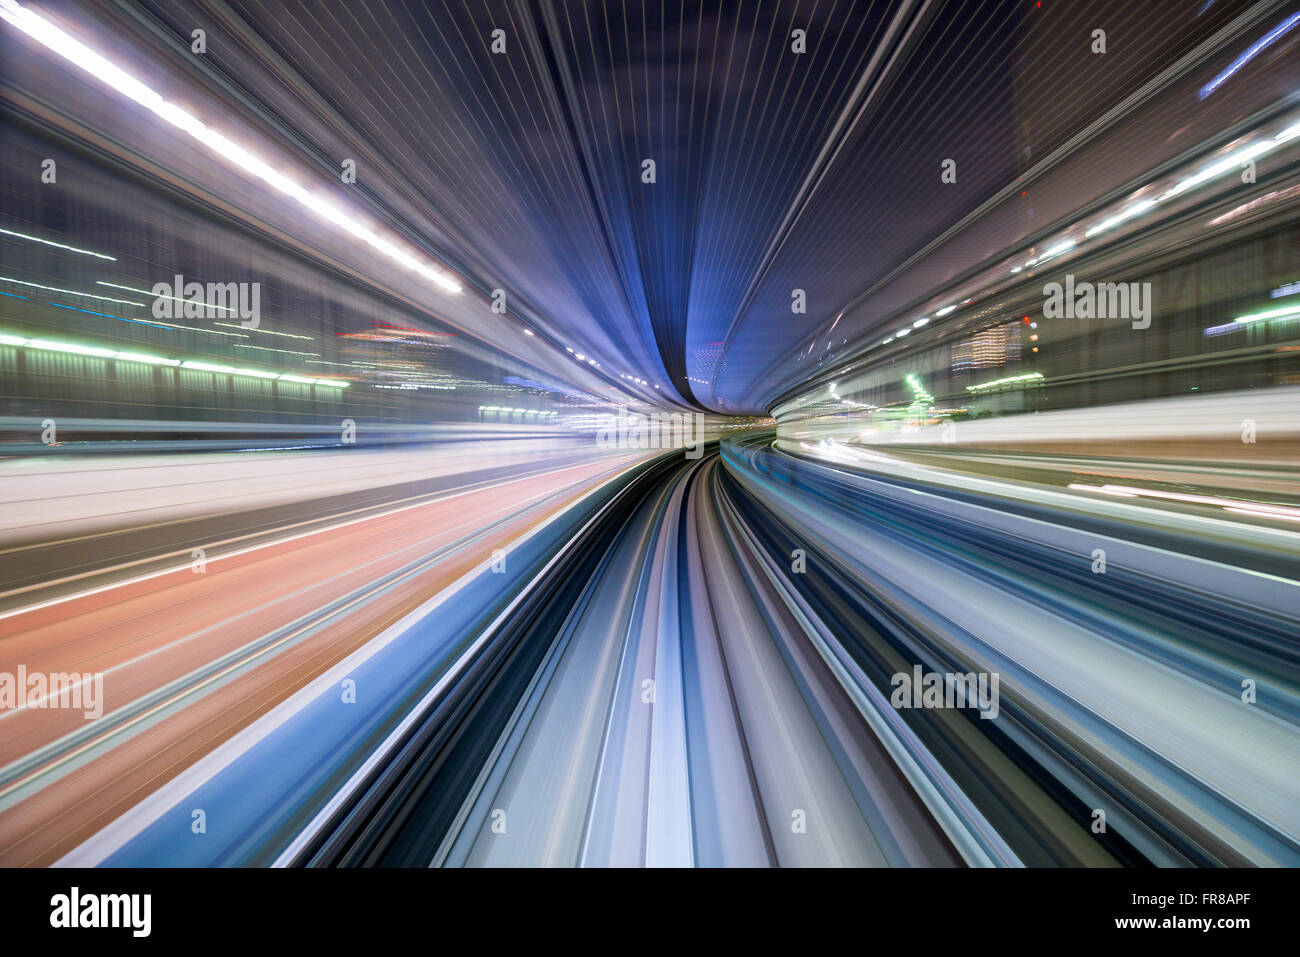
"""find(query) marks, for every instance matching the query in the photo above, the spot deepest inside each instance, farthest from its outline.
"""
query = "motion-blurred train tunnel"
(549, 434)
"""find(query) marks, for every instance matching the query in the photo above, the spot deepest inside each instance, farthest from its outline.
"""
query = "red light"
(1026, 320)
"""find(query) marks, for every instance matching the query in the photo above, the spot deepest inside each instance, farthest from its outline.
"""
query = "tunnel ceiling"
(695, 194)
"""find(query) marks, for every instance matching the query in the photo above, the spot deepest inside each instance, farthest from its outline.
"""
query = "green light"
(1030, 376)
(197, 365)
(49, 346)
(919, 392)
(150, 360)
(206, 367)
(1283, 313)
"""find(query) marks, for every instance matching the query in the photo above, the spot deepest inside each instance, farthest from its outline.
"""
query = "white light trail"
(48, 242)
(1225, 165)
(70, 292)
(148, 292)
(107, 72)
(1137, 209)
